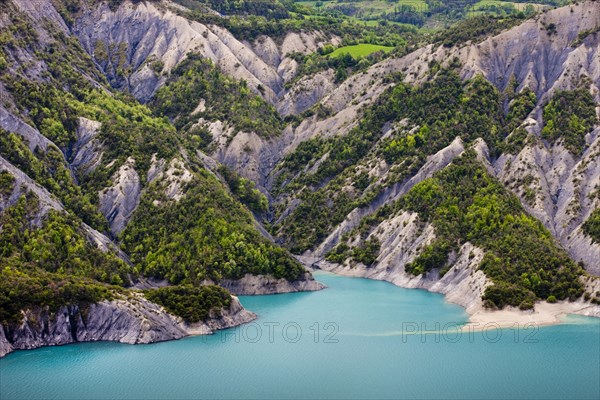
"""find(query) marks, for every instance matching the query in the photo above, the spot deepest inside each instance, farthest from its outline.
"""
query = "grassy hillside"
(428, 13)
(359, 50)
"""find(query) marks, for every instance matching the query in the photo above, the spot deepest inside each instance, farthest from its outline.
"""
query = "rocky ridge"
(538, 60)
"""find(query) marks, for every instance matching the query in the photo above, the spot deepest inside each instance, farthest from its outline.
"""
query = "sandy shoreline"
(542, 315)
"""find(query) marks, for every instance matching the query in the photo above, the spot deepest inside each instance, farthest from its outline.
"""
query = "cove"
(357, 339)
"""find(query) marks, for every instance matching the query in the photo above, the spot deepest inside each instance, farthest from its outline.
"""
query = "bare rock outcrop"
(23, 183)
(559, 190)
(11, 123)
(235, 315)
(144, 35)
(266, 284)
(538, 59)
(306, 93)
(127, 321)
(118, 202)
(402, 239)
(133, 320)
(48, 202)
(86, 153)
(433, 164)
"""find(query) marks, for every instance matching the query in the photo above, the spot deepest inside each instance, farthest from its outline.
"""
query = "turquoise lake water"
(359, 339)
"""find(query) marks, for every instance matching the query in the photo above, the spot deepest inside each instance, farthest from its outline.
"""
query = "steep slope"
(137, 45)
(529, 54)
(330, 152)
(526, 60)
(47, 296)
(112, 152)
(96, 195)
(346, 177)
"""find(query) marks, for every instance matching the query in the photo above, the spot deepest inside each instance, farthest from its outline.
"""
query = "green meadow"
(360, 50)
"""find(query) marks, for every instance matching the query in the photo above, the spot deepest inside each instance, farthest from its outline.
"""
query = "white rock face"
(143, 33)
(306, 93)
(248, 154)
(118, 202)
(156, 169)
(11, 123)
(539, 61)
(558, 190)
(147, 32)
(132, 321)
(235, 315)
(565, 185)
(177, 176)
(5, 346)
(22, 183)
(402, 239)
(86, 155)
(41, 11)
(266, 284)
(48, 202)
(434, 164)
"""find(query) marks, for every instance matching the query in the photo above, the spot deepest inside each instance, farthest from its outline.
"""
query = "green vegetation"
(418, 12)
(433, 256)
(51, 265)
(7, 183)
(128, 130)
(48, 169)
(366, 253)
(584, 34)
(522, 259)
(204, 235)
(271, 9)
(443, 108)
(359, 50)
(45, 256)
(344, 63)
(503, 8)
(244, 190)
(300, 18)
(519, 107)
(58, 246)
(591, 227)
(465, 204)
(196, 79)
(569, 116)
(33, 288)
(477, 28)
(191, 303)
